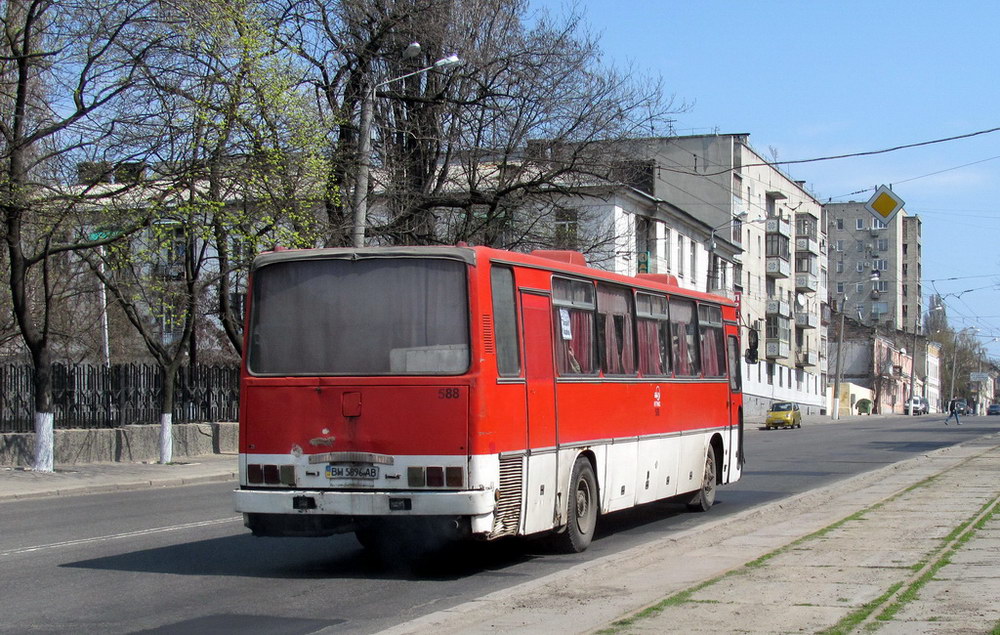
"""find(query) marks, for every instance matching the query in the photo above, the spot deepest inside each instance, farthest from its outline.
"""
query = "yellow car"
(783, 414)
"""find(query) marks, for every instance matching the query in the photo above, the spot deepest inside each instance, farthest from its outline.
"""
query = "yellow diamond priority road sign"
(884, 204)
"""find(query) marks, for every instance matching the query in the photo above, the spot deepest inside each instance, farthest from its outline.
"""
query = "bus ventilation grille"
(507, 518)
(488, 342)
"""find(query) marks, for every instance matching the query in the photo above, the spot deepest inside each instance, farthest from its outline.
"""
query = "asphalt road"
(178, 560)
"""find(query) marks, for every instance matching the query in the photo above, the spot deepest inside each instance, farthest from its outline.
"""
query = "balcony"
(806, 282)
(806, 357)
(778, 267)
(806, 244)
(778, 307)
(777, 348)
(806, 320)
(781, 226)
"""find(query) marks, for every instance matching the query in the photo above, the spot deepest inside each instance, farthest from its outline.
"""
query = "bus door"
(735, 411)
(542, 433)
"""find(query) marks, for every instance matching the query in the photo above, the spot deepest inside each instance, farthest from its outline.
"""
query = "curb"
(105, 488)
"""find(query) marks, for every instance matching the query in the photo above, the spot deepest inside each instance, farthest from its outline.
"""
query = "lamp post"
(365, 143)
(913, 362)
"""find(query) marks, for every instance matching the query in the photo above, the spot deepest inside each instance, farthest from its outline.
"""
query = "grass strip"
(844, 625)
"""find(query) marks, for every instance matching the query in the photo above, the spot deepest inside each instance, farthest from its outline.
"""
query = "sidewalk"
(913, 548)
(21, 483)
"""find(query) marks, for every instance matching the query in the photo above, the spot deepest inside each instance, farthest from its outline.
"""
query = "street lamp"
(365, 142)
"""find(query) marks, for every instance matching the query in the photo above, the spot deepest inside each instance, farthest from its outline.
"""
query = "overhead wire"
(864, 153)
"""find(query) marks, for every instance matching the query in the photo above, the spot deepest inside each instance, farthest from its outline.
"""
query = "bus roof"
(556, 262)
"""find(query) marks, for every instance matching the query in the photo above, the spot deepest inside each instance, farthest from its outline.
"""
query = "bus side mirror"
(752, 341)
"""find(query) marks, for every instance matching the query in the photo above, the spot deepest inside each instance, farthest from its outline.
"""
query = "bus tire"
(369, 538)
(581, 509)
(704, 498)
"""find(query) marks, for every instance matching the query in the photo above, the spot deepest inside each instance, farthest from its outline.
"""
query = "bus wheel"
(705, 496)
(581, 509)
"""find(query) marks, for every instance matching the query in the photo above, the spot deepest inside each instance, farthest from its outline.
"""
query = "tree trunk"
(169, 374)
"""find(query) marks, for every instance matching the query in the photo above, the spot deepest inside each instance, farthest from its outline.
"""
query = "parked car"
(961, 406)
(783, 414)
(916, 406)
(993, 409)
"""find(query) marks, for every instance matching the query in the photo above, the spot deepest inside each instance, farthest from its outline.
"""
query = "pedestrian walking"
(953, 412)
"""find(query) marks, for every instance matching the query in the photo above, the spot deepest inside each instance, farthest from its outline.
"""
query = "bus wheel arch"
(704, 497)
(582, 506)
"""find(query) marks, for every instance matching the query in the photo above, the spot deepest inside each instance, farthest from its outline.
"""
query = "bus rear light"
(435, 477)
(255, 474)
(271, 475)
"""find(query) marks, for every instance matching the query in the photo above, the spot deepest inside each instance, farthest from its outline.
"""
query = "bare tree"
(476, 153)
(66, 69)
(223, 102)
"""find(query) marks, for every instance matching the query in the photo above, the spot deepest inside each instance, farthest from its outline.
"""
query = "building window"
(840, 288)
(840, 223)
(838, 246)
(680, 256)
(905, 267)
(566, 225)
(877, 223)
(840, 266)
(859, 223)
(777, 245)
(645, 237)
(860, 267)
(905, 248)
(667, 247)
(694, 262)
(883, 245)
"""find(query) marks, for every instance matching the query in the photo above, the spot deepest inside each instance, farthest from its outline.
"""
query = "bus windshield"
(374, 316)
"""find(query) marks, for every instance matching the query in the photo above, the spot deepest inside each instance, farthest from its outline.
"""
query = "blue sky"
(812, 79)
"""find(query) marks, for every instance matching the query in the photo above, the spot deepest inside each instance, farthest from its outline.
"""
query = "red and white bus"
(478, 393)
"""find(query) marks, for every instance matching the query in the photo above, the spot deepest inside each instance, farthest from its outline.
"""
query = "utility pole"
(913, 363)
(839, 366)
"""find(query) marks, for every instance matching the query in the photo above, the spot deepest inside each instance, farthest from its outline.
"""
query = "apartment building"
(875, 265)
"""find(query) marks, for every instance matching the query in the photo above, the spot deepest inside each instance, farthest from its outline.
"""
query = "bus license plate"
(352, 471)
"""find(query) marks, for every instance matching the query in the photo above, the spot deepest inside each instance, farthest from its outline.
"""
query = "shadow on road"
(339, 557)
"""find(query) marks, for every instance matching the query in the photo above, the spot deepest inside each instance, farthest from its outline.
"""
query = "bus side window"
(653, 331)
(505, 322)
(573, 305)
(684, 338)
(713, 360)
(615, 338)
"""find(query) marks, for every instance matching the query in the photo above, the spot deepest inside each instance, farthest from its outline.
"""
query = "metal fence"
(88, 396)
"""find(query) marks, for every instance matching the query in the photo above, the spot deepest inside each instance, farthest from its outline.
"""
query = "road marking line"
(127, 534)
